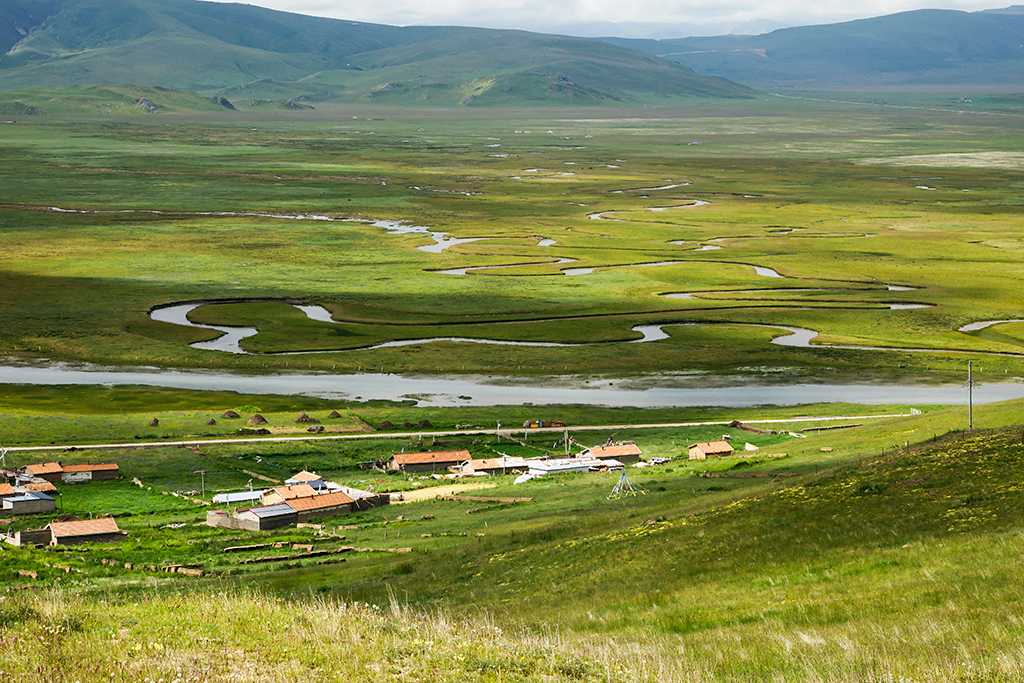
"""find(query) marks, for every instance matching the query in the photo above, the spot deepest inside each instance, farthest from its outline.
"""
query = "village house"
(426, 462)
(327, 505)
(280, 494)
(701, 451)
(74, 474)
(50, 471)
(626, 453)
(103, 530)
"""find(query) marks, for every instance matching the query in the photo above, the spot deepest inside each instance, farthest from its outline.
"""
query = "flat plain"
(882, 551)
(585, 223)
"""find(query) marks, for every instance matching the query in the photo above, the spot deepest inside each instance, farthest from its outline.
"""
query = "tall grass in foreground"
(242, 636)
(200, 637)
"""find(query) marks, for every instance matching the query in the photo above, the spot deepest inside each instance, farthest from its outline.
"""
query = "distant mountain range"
(258, 55)
(923, 47)
(265, 57)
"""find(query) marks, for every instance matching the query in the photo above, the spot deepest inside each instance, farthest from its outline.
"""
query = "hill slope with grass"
(208, 47)
(925, 47)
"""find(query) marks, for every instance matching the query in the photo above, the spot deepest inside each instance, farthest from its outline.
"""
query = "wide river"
(652, 391)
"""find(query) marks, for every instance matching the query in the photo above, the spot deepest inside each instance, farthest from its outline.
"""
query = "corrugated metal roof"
(29, 495)
(84, 527)
(277, 510)
(325, 501)
(436, 457)
(237, 496)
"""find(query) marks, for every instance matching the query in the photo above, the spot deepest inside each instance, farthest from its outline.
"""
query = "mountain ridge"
(207, 47)
(917, 47)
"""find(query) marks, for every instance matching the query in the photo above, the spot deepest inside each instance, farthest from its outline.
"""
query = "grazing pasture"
(567, 228)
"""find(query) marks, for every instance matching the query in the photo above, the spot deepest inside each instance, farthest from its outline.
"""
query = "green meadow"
(884, 550)
(881, 550)
(879, 227)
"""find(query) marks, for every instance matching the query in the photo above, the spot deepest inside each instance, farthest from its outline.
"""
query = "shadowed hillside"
(203, 46)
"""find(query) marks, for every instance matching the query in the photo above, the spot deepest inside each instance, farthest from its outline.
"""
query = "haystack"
(257, 419)
(334, 413)
(407, 425)
(212, 422)
(306, 419)
(154, 422)
(231, 415)
(386, 424)
(425, 424)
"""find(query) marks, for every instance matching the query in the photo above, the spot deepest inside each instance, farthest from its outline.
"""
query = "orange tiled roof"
(325, 501)
(6, 489)
(714, 446)
(306, 476)
(91, 467)
(41, 487)
(615, 451)
(436, 457)
(295, 491)
(85, 527)
(44, 468)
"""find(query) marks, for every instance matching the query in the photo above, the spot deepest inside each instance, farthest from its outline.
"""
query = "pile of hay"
(306, 419)
(231, 415)
(386, 425)
(334, 413)
(212, 422)
(154, 422)
(425, 424)
(257, 419)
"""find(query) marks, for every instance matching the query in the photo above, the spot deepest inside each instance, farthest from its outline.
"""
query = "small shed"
(626, 453)
(426, 462)
(29, 503)
(701, 451)
(505, 464)
(103, 530)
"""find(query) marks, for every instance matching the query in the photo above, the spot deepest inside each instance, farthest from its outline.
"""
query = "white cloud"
(663, 18)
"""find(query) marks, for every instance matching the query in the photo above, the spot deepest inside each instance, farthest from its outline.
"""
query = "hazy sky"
(629, 18)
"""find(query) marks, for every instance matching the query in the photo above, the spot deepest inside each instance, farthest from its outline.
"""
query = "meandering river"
(649, 391)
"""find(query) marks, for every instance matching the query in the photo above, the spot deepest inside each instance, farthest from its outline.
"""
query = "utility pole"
(203, 474)
(970, 399)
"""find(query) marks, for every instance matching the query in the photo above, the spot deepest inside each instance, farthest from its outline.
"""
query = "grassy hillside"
(918, 47)
(879, 560)
(207, 46)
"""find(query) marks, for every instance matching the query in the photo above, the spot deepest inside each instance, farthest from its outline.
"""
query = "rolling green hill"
(209, 47)
(926, 47)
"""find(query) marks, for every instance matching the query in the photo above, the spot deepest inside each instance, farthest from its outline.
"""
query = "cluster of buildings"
(31, 489)
(460, 463)
(303, 497)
